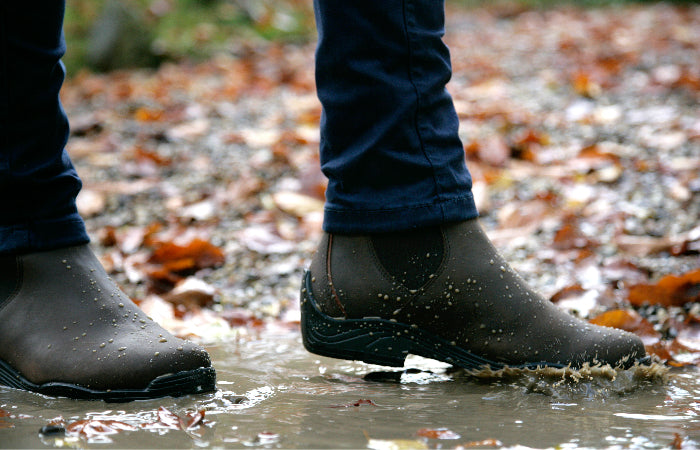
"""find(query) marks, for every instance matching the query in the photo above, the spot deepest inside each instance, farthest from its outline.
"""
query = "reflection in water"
(273, 394)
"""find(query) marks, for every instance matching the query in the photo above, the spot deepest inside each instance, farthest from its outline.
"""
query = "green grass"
(197, 29)
(194, 29)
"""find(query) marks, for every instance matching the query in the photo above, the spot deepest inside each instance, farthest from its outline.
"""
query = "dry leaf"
(671, 290)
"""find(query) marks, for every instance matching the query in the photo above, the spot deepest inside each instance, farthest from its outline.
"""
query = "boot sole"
(385, 342)
(197, 381)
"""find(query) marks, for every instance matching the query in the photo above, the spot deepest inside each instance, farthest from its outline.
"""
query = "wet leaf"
(3, 422)
(192, 420)
(484, 443)
(91, 428)
(671, 290)
(241, 317)
(437, 433)
(168, 418)
(628, 320)
(356, 404)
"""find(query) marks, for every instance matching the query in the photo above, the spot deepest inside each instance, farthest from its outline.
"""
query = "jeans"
(38, 184)
(389, 143)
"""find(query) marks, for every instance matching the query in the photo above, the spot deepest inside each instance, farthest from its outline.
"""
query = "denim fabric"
(38, 184)
(389, 142)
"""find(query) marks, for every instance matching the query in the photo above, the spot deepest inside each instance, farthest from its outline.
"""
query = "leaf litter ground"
(204, 197)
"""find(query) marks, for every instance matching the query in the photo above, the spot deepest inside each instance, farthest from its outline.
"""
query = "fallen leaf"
(484, 443)
(569, 291)
(192, 293)
(240, 317)
(671, 290)
(437, 433)
(569, 236)
(197, 254)
(628, 320)
(677, 441)
(90, 203)
(192, 420)
(356, 404)
(91, 428)
(298, 205)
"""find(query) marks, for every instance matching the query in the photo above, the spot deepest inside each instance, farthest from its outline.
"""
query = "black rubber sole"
(385, 342)
(195, 381)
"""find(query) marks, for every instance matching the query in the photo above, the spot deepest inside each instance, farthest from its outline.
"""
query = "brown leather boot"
(442, 293)
(67, 330)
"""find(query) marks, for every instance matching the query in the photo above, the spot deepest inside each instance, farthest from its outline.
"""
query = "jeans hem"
(43, 235)
(345, 221)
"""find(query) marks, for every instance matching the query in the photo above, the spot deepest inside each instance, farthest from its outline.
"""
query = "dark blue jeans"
(38, 184)
(389, 143)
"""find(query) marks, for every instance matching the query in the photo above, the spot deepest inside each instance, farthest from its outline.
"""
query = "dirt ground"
(581, 128)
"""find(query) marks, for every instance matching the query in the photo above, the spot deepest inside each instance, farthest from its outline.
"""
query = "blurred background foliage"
(112, 34)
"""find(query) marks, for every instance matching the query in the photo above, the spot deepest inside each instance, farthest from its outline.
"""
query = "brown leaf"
(671, 290)
(525, 145)
(168, 418)
(192, 420)
(584, 85)
(356, 404)
(437, 433)
(569, 236)
(192, 293)
(677, 441)
(91, 428)
(627, 320)
(144, 114)
(569, 291)
(197, 254)
(484, 443)
(241, 317)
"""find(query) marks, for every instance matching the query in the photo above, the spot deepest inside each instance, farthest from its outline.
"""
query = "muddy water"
(272, 394)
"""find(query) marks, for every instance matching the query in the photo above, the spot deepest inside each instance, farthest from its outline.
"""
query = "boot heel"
(374, 341)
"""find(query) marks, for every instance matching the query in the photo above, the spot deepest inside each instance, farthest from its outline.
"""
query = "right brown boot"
(443, 293)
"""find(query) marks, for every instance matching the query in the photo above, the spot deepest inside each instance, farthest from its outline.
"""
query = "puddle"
(273, 394)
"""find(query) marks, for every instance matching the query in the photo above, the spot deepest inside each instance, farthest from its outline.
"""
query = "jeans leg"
(389, 131)
(37, 180)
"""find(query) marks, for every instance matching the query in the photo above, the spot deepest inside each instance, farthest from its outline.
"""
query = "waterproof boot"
(442, 293)
(67, 330)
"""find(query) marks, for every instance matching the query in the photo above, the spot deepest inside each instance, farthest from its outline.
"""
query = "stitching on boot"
(334, 294)
(19, 268)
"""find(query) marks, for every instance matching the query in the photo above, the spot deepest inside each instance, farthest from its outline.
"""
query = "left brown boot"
(67, 330)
